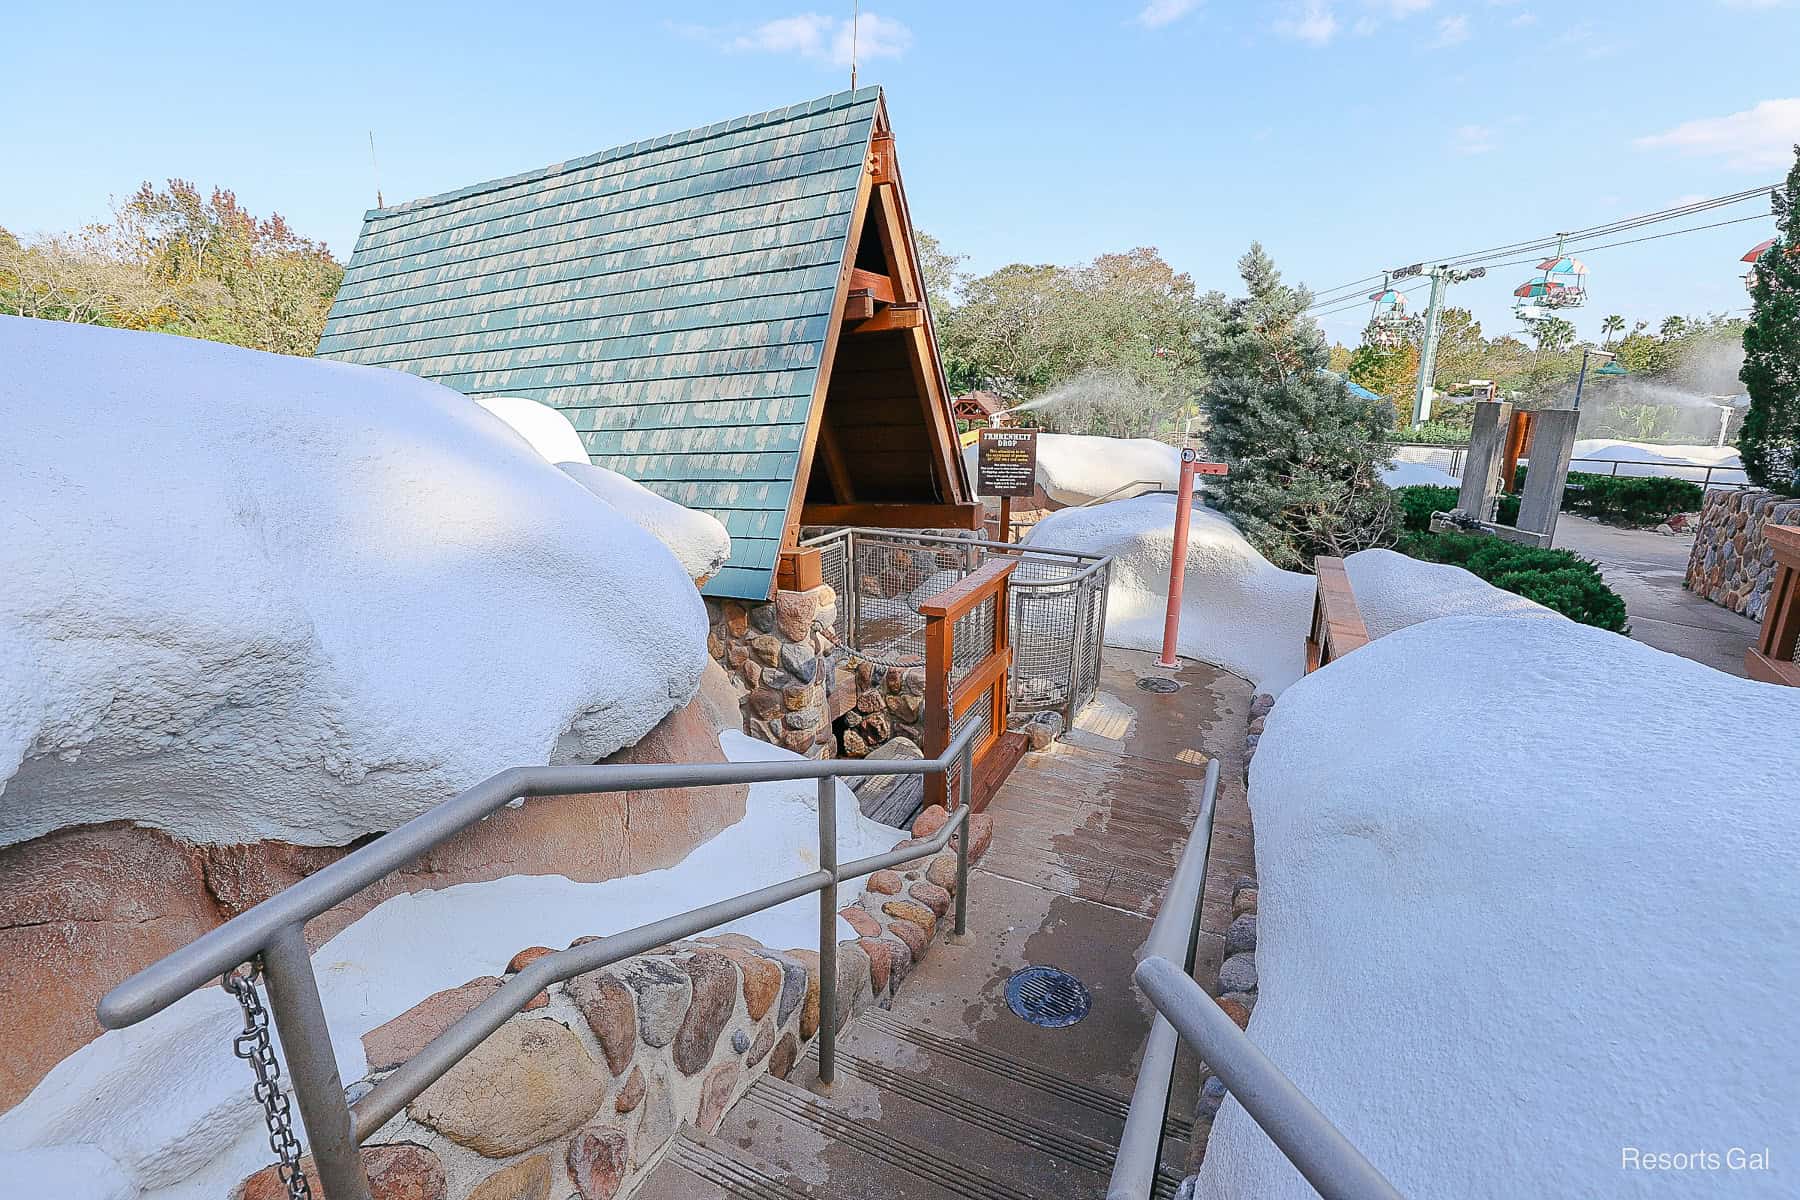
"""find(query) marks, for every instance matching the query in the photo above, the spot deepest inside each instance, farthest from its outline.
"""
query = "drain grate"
(1047, 996)
(1157, 683)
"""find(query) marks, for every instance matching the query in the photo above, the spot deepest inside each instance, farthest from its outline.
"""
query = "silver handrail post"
(828, 930)
(963, 790)
(312, 1065)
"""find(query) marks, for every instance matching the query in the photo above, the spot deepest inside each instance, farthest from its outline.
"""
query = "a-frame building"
(733, 316)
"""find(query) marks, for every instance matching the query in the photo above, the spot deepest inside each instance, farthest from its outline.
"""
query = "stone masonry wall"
(578, 1096)
(778, 654)
(1731, 564)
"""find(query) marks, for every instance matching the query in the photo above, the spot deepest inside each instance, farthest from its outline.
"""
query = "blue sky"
(1346, 135)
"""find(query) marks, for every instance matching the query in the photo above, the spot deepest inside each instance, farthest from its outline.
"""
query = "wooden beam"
(894, 516)
(816, 412)
(835, 468)
(881, 158)
(968, 591)
(858, 306)
(881, 287)
(994, 767)
(893, 317)
(799, 569)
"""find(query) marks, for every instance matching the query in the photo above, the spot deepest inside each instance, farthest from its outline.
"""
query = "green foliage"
(1557, 579)
(1391, 373)
(1770, 439)
(1630, 499)
(177, 261)
(1305, 454)
(1417, 502)
(1438, 433)
(1025, 329)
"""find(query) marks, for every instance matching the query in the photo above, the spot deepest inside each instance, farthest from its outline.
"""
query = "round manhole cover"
(1046, 996)
(1157, 683)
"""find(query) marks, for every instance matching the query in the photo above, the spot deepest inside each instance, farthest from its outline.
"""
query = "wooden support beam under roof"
(879, 286)
(895, 516)
(893, 317)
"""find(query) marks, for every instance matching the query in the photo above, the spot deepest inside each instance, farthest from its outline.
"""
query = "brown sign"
(1006, 462)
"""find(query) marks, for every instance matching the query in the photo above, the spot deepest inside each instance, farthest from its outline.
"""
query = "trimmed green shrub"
(1624, 499)
(1418, 501)
(1557, 579)
(1579, 594)
(1630, 499)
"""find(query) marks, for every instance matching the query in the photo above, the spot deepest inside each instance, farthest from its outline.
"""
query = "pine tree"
(1770, 440)
(1305, 454)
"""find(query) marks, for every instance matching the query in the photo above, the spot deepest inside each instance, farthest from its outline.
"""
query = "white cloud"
(1452, 31)
(1757, 138)
(1756, 3)
(827, 39)
(1399, 8)
(1472, 139)
(1312, 22)
(1523, 19)
(1158, 13)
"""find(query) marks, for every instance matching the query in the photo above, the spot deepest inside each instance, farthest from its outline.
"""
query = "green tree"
(1611, 324)
(943, 273)
(1305, 453)
(1392, 372)
(1553, 335)
(1770, 439)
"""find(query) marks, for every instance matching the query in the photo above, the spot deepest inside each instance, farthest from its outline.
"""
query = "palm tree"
(1673, 327)
(1610, 325)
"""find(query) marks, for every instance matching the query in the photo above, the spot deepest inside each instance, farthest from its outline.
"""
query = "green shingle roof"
(672, 297)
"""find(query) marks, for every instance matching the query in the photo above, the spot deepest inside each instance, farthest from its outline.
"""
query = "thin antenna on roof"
(376, 168)
(855, 21)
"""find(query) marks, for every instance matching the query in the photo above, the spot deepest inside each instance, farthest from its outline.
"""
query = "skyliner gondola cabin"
(733, 316)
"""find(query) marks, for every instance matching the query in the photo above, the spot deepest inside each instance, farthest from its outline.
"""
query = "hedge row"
(1614, 499)
(1556, 579)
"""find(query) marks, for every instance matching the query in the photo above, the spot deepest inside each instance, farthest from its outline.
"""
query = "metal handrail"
(1186, 1013)
(1321, 1153)
(274, 932)
(1157, 484)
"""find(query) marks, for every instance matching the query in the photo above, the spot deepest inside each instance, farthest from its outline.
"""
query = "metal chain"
(254, 1047)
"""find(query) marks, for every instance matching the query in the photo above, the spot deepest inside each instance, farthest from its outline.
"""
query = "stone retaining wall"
(1731, 564)
(778, 654)
(579, 1095)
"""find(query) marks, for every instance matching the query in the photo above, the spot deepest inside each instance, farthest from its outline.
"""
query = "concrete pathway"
(1647, 569)
(951, 1096)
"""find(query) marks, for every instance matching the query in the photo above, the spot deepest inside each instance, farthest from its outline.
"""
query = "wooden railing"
(1772, 658)
(967, 656)
(1337, 624)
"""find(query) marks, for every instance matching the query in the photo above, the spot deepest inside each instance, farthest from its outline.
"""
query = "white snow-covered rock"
(253, 596)
(165, 1107)
(1416, 474)
(1393, 591)
(544, 428)
(1238, 611)
(1074, 468)
(696, 539)
(1517, 919)
(1650, 458)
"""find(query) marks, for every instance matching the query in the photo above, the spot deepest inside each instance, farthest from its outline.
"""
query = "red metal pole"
(1184, 511)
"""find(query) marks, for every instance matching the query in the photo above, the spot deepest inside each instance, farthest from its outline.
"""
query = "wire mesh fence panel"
(1044, 628)
(834, 570)
(979, 714)
(971, 640)
(892, 578)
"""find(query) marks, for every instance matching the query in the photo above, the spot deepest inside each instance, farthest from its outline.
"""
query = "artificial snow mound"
(1650, 458)
(544, 428)
(1393, 591)
(696, 539)
(1530, 897)
(254, 596)
(1074, 468)
(1238, 612)
(164, 1106)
